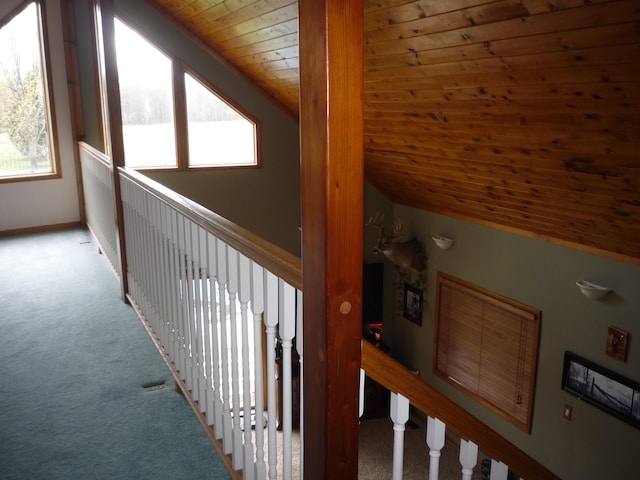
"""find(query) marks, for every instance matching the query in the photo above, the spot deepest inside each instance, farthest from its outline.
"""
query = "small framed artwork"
(617, 343)
(607, 390)
(413, 304)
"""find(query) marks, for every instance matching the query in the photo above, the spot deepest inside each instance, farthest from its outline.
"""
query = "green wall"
(594, 444)
(246, 197)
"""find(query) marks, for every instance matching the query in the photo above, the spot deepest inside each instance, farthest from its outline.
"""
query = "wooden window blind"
(486, 345)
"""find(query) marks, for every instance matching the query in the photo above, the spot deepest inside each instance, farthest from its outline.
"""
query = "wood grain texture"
(544, 95)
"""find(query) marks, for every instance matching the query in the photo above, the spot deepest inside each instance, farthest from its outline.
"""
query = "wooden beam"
(331, 129)
(107, 15)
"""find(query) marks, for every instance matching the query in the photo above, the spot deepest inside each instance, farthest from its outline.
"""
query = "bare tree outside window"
(24, 133)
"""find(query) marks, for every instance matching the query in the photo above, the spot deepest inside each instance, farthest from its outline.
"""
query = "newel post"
(331, 131)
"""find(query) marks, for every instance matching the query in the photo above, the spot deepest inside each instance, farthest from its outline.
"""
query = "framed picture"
(607, 390)
(413, 304)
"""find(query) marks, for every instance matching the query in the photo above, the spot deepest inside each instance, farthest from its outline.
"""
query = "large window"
(26, 126)
(171, 119)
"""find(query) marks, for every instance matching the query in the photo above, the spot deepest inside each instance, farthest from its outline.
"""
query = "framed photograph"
(413, 304)
(607, 390)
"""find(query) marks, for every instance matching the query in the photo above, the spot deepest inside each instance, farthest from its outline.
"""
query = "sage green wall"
(248, 198)
(593, 445)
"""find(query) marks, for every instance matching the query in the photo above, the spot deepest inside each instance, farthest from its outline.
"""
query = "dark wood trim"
(331, 126)
(386, 371)
(280, 262)
(107, 11)
(75, 96)
(40, 228)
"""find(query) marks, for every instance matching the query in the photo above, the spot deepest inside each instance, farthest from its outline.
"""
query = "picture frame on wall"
(413, 304)
(603, 388)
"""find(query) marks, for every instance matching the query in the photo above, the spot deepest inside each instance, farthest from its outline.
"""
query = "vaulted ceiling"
(519, 114)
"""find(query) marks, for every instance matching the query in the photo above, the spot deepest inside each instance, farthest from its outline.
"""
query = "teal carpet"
(73, 363)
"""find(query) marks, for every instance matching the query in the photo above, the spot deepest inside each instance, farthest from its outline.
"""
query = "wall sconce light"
(591, 290)
(442, 242)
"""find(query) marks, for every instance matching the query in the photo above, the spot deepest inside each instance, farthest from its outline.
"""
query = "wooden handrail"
(96, 154)
(399, 379)
(275, 259)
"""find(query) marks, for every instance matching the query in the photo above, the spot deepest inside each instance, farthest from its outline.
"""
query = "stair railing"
(216, 300)
(97, 187)
(205, 287)
(407, 389)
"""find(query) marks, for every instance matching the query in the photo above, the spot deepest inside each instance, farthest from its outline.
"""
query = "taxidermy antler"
(407, 255)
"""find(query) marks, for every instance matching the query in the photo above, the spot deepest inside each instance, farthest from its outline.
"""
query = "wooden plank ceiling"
(519, 114)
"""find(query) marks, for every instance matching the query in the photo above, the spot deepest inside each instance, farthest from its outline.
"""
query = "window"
(487, 346)
(218, 134)
(146, 101)
(26, 126)
(170, 118)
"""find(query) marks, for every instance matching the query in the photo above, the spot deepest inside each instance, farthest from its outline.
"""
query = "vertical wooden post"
(107, 11)
(331, 109)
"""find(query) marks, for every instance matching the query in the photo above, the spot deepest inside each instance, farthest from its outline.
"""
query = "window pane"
(24, 129)
(146, 101)
(218, 134)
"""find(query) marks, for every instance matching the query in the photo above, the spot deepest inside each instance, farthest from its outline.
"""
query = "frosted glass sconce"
(591, 290)
(442, 242)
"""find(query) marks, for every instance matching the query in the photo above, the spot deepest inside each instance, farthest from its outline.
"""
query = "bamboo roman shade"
(486, 345)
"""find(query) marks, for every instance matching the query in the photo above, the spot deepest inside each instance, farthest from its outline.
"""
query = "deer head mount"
(407, 255)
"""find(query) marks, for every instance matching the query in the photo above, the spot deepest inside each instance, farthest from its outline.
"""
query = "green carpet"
(73, 363)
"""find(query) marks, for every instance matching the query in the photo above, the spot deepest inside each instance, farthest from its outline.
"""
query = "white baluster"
(399, 412)
(196, 312)
(182, 313)
(499, 470)
(257, 307)
(214, 308)
(435, 440)
(224, 345)
(361, 396)
(287, 330)
(271, 321)
(244, 295)
(190, 332)
(232, 288)
(468, 458)
(207, 359)
(299, 338)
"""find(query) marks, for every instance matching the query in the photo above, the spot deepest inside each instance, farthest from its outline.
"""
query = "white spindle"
(214, 309)
(468, 458)
(287, 297)
(271, 322)
(257, 306)
(198, 267)
(207, 395)
(187, 303)
(244, 295)
(436, 430)
(299, 343)
(221, 249)
(232, 289)
(499, 470)
(361, 394)
(399, 412)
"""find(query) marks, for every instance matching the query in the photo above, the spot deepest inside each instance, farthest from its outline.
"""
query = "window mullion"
(180, 113)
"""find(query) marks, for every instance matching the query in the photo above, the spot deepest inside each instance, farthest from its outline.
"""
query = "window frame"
(186, 70)
(48, 94)
(181, 130)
